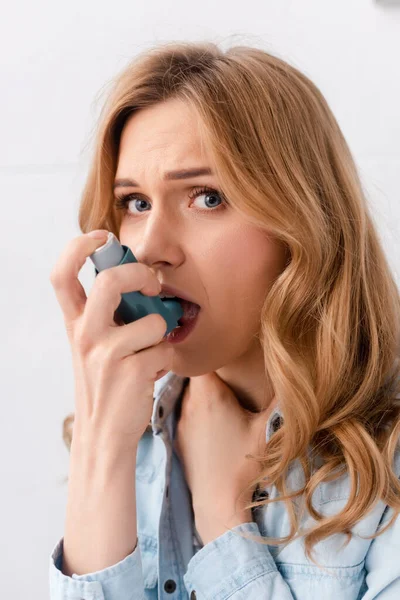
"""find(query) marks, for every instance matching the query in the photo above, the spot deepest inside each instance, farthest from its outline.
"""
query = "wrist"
(223, 508)
(211, 525)
(92, 452)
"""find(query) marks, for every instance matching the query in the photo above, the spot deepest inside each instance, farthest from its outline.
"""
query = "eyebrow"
(168, 176)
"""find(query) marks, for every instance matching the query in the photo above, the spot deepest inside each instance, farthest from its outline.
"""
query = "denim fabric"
(170, 561)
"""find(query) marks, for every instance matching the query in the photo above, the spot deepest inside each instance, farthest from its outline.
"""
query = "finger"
(69, 291)
(138, 337)
(105, 295)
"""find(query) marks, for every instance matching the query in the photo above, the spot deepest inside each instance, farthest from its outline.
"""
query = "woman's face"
(200, 245)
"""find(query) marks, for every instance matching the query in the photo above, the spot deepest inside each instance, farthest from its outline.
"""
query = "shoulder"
(329, 499)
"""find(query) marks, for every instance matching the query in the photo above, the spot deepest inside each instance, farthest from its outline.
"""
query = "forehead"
(166, 130)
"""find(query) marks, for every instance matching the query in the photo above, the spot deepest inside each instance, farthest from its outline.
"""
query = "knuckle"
(140, 363)
(55, 278)
(82, 341)
(104, 353)
(105, 278)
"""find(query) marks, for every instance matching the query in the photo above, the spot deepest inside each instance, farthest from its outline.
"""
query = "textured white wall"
(55, 60)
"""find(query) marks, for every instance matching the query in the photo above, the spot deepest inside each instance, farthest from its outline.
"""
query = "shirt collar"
(168, 389)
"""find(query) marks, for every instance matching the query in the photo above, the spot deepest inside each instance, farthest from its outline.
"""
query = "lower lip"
(181, 333)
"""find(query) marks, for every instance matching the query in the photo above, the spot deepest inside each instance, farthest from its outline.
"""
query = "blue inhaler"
(134, 305)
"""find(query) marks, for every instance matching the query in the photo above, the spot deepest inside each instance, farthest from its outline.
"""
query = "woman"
(271, 465)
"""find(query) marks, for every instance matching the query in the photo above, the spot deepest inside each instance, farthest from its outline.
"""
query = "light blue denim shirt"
(170, 561)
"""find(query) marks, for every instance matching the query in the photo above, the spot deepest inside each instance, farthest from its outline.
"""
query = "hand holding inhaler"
(115, 367)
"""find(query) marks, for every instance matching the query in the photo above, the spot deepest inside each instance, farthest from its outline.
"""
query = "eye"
(206, 191)
(138, 201)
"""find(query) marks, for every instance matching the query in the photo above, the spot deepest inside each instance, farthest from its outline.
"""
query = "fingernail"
(98, 233)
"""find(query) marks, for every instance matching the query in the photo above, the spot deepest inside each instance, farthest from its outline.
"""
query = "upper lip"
(171, 291)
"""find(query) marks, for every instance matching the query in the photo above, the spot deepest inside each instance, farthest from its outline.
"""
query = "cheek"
(233, 249)
(243, 271)
(247, 258)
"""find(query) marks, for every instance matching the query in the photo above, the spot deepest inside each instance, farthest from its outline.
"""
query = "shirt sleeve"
(233, 567)
(122, 581)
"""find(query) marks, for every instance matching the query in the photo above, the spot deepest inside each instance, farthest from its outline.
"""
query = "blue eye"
(121, 202)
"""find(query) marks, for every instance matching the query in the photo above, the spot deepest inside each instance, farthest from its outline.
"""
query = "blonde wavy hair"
(330, 325)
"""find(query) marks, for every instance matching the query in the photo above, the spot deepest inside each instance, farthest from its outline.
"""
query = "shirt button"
(160, 412)
(193, 595)
(170, 586)
(276, 423)
(259, 495)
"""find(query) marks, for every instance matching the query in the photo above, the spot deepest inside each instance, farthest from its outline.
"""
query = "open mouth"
(190, 309)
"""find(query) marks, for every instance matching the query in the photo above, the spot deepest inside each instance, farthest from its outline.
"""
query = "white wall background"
(55, 60)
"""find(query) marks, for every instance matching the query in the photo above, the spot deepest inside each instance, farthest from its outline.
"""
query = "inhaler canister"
(134, 305)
